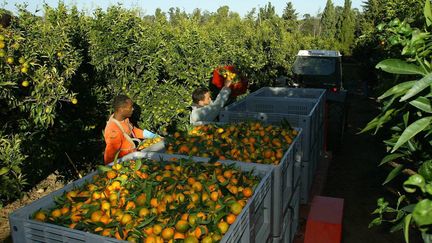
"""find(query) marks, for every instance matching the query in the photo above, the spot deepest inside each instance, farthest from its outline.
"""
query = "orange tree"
(37, 62)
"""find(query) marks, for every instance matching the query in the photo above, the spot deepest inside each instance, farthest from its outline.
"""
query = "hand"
(227, 82)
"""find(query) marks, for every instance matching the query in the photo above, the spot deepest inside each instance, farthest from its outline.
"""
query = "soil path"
(353, 174)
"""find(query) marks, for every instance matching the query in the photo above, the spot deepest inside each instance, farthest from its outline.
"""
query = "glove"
(148, 134)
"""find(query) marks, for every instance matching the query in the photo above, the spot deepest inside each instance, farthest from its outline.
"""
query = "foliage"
(328, 20)
(11, 177)
(74, 65)
(407, 113)
(347, 27)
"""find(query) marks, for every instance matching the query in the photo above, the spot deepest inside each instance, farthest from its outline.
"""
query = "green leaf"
(4, 170)
(405, 118)
(427, 13)
(400, 200)
(390, 157)
(103, 168)
(375, 222)
(422, 103)
(428, 189)
(422, 213)
(397, 227)
(426, 170)
(138, 164)
(397, 66)
(399, 88)
(393, 174)
(413, 182)
(420, 85)
(407, 222)
(383, 119)
(412, 130)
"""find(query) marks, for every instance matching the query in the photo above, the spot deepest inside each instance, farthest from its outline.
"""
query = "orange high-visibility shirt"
(117, 141)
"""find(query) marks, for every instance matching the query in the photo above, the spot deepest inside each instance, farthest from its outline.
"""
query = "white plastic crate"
(247, 227)
(302, 113)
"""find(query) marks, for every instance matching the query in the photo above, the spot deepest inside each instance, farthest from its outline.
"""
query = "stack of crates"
(253, 224)
(303, 108)
(286, 183)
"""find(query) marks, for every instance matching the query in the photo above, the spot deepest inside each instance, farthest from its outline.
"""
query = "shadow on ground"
(353, 174)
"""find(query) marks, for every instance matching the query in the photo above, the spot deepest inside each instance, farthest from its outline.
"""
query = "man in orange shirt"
(119, 132)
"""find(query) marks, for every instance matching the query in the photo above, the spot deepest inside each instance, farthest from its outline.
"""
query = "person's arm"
(113, 145)
(143, 134)
(211, 111)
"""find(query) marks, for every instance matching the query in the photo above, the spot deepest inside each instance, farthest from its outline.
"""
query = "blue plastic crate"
(244, 229)
(285, 176)
(302, 113)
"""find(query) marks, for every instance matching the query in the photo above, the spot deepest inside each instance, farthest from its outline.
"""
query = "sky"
(302, 7)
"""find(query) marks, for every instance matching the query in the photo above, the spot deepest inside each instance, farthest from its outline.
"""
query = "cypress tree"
(328, 20)
(347, 27)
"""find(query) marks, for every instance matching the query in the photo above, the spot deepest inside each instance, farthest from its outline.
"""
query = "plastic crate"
(319, 95)
(302, 113)
(286, 229)
(307, 174)
(295, 209)
(284, 177)
(307, 93)
(290, 220)
(256, 221)
(248, 227)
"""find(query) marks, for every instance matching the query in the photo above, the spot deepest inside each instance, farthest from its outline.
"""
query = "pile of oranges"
(247, 141)
(156, 201)
(149, 142)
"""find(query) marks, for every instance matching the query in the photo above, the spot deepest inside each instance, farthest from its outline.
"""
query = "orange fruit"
(143, 212)
(247, 192)
(191, 180)
(105, 219)
(178, 236)
(154, 202)
(236, 208)
(207, 239)
(197, 186)
(40, 216)
(182, 226)
(157, 229)
(148, 230)
(56, 213)
(126, 219)
(214, 196)
(230, 218)
(190, 239)
(96, 216)
(168, 233)
(64, 210)
(223, 227)
(200, 231)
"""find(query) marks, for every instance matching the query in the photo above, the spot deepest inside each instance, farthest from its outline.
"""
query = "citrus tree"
(37, 62)
(407, 113)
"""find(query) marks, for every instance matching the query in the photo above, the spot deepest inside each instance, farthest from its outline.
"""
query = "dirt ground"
(45, 187)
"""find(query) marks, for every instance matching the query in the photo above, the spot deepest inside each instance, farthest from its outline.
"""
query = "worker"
(203, 109)
(120, 133)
